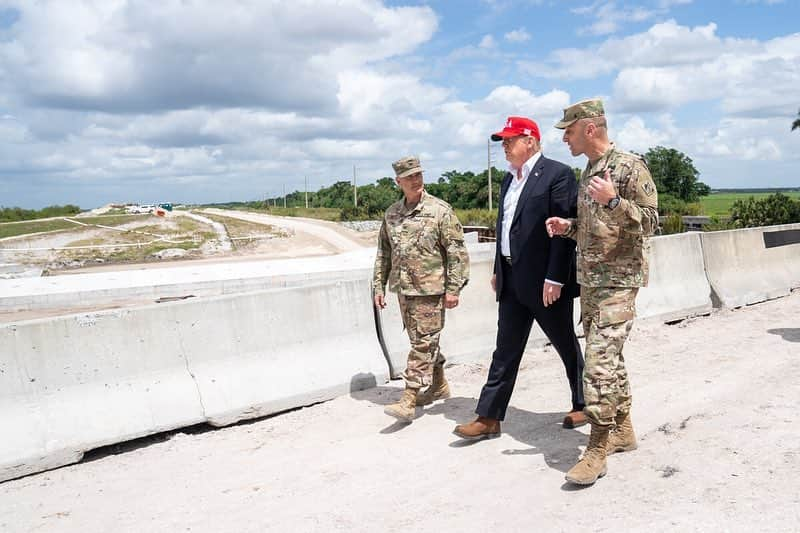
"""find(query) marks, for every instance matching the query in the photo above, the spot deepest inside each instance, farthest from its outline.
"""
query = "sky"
(195, 101)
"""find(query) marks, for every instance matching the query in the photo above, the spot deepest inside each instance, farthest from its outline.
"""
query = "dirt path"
(714, 406)
(306, 238)
(307, 231)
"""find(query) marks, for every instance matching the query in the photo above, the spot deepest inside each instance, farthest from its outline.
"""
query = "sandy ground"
(328, 236)
(301, 237)
(714, 405)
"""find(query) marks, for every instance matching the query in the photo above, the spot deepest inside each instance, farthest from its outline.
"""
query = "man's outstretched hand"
(556, 226)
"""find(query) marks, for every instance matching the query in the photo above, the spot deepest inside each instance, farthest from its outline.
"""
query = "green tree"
(669, 205)
(338, 195)
(675, 174)
(467, 190)
(774, 209)
(13, 214)
(376, 197)
(796, 123)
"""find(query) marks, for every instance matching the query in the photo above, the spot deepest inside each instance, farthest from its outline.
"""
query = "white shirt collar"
(527, 166)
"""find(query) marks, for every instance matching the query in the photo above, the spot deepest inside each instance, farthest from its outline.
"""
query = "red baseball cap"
(518, 126)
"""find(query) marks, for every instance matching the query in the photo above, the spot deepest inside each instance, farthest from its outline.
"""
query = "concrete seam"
(716, 301)
(191, 374)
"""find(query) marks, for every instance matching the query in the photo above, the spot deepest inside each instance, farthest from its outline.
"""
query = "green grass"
(477, 217)
(241, 228)
(322, 213)
(111, 220)
(719, 204)
(14, 229)
(131, 254)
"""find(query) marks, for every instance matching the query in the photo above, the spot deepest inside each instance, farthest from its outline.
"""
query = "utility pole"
(489, 168)
(355, 189)
(284, 196)
(306, 192)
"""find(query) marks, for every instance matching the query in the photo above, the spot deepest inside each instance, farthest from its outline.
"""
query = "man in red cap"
(534, 276)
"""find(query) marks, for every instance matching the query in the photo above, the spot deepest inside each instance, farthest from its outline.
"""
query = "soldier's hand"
(450, 301)
(380, 302)
(602, 189)
(494, 282)
(556, 226)
(550, 293)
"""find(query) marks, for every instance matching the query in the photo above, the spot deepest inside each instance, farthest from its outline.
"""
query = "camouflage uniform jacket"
(421, 251)
(613, 243)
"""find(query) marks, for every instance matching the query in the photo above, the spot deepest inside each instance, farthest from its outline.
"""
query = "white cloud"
(634, 135)
(218, 102)
(372, 100)
(12, 131)
(518, 36)
(670, 65)
(758, 82)
(663, 44)
(666, 4)
(115, 54)
(487, 42)
(608, 18)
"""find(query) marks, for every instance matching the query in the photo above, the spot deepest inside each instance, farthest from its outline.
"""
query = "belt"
(507, 259)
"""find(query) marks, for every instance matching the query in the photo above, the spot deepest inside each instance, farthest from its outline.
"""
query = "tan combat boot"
(404, 410)
(622, 438)
(593, 463)
(439, 389)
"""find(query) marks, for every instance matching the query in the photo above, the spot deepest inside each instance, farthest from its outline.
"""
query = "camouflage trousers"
(607, 314)
(423, 318)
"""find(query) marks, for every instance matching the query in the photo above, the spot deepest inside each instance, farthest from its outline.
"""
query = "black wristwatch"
(613, 203)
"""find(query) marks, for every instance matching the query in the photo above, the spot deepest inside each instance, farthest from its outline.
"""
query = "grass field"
(13, 229)
(719, 204)
(322, 213)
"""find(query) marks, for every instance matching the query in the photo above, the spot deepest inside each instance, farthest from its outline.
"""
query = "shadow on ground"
(788, 334)
(539, 433)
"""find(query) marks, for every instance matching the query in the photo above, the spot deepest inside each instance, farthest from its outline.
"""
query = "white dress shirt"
(510, 201)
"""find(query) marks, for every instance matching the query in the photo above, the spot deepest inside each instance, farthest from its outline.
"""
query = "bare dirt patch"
(148, 241)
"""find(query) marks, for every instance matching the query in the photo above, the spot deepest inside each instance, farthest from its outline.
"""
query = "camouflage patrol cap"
(406, 166)
(583, 109)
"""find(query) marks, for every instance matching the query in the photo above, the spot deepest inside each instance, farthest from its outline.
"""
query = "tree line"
(675, 176)
(15, 214)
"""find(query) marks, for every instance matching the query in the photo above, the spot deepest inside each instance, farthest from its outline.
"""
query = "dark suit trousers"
(513, 328)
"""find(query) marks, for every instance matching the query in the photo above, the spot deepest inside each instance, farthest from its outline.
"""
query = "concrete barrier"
(742, 270)
(678, 286)
(260, 353)
(197, 279)
(71, 384)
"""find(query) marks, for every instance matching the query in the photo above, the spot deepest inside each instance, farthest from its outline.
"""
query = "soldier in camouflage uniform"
(421, 254)
(617, 212)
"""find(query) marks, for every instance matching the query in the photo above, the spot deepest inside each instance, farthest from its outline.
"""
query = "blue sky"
(204, 101)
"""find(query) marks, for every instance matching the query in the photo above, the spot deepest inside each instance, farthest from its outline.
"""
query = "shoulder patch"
(649, 188)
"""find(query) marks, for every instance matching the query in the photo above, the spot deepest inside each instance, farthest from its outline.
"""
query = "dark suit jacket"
(551, 190)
